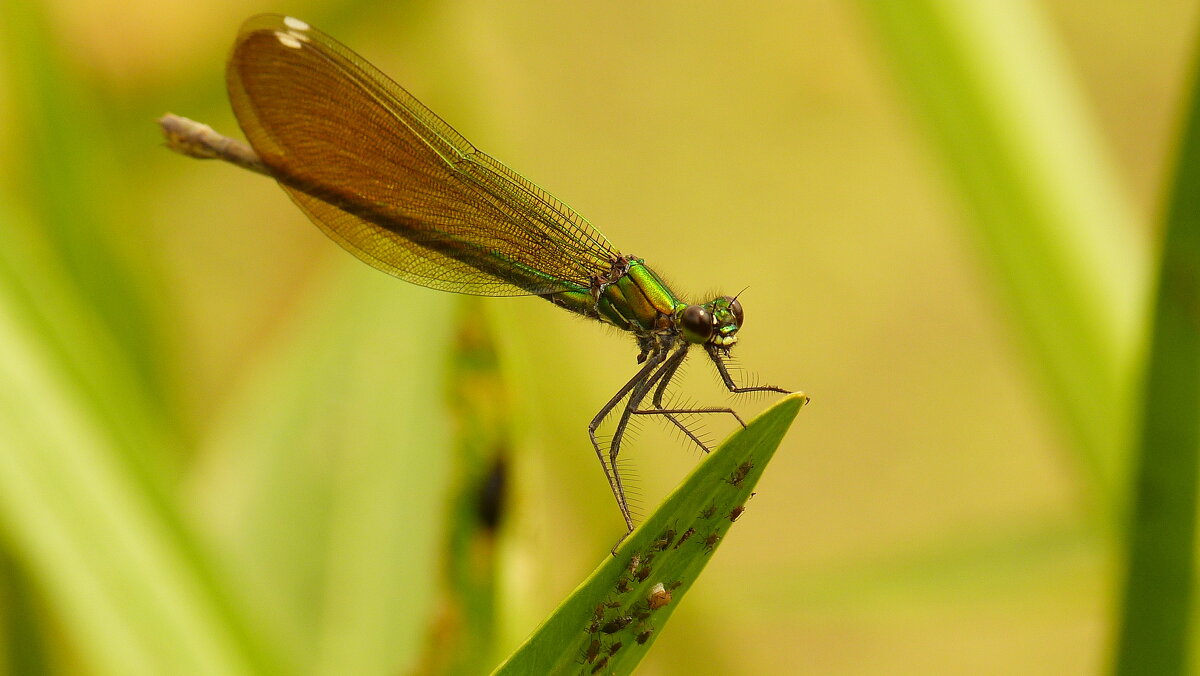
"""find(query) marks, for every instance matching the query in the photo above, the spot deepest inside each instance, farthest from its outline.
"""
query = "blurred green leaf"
(460, 637)
(991, 84)
(23, 648)
(323, 484)
(70, 186)
(93, 442)
(105, 552)
(1154, 633)
(614, 605)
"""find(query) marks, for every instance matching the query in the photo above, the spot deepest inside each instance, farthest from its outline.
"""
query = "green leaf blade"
(667, 553)
(1154, 632)
(1041, 196)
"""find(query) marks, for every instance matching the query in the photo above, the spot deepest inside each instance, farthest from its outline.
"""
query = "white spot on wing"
(287, 40)
(295, 24)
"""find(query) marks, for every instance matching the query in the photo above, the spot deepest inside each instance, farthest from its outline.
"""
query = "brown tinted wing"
(390, 181)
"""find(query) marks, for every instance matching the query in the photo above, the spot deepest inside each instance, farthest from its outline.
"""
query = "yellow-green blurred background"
(928, 513)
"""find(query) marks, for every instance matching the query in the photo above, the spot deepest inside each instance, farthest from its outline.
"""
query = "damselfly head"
(716, 321)
(727, 317)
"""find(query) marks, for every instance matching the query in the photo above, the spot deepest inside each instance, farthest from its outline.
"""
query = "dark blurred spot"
(492, 493)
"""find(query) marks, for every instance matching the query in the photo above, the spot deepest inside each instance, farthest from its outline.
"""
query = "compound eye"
(736, 308)
(697, 324)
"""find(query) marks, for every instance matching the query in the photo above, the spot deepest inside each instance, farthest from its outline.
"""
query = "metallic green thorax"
(637, 300)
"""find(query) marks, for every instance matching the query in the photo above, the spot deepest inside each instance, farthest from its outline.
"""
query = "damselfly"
(396, 186)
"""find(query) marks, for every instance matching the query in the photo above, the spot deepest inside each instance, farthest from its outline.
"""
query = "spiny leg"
(715, 354)
(670, 413)
(636, 389)
(663, 378)
(614, 482)
(636, 395)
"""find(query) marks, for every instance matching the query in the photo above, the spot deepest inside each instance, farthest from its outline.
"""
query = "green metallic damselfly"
(396, 186)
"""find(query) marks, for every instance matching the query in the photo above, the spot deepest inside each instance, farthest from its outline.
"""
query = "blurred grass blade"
(98, 547)
(996, 97)
(23, 629)
(1154, 632)
(323, 483)
(618, 605)
(460, 638)
(72, 188)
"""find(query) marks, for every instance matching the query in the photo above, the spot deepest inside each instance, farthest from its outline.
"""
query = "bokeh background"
(226, 436)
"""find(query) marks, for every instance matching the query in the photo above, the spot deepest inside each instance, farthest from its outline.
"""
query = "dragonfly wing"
(390, 181)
